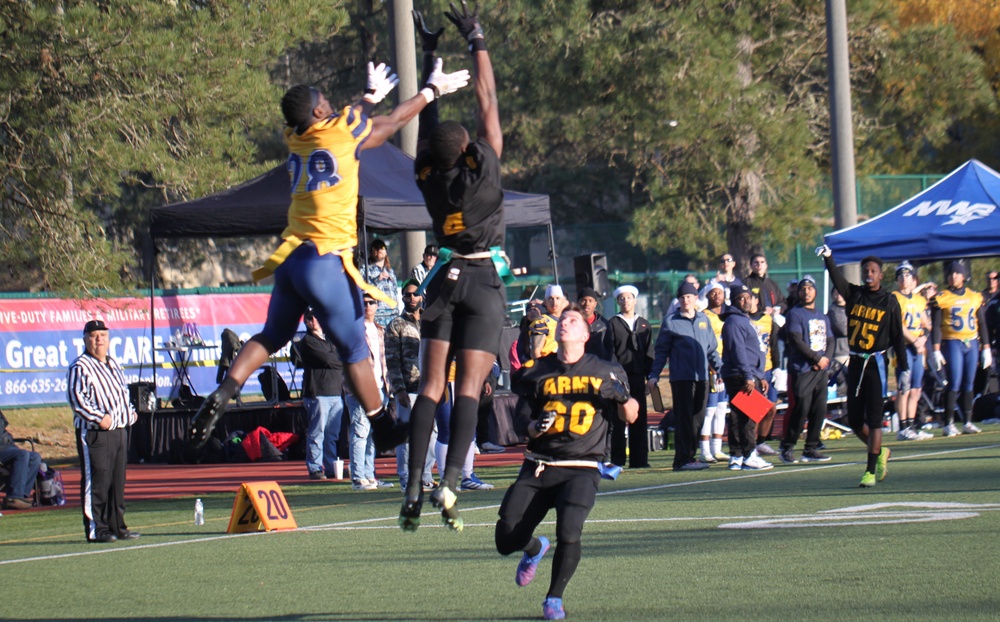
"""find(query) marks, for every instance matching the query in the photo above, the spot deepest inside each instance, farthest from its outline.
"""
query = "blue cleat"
(552, 609)
(528, 565)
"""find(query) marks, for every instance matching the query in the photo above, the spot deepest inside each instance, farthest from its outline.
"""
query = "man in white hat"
(543, 330)
(629, 342)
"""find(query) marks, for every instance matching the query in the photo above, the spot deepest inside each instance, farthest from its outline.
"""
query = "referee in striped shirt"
(99, 396)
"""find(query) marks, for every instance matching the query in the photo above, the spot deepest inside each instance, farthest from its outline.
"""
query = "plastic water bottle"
(199, 512)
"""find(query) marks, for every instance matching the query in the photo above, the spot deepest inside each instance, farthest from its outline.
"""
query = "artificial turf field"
(796, 542)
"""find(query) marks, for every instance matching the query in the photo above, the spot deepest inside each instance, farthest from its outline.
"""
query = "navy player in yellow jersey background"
(465, 304)
(874, 324)
(313, 267)
(916, 330)
(960, 340)
(561, 408)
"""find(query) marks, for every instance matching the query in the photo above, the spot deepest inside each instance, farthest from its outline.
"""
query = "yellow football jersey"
(546, 325)
(913, 310)
(323, 166)
(958, 314)
(716, 322)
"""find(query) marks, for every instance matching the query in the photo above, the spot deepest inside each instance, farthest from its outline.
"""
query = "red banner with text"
(40, 337)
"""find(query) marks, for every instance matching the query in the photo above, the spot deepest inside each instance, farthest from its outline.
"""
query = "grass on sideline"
(659, 545)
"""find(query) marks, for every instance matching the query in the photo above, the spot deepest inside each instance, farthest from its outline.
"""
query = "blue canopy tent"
(956, 217)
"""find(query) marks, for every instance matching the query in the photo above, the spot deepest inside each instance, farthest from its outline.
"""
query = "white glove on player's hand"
(823, 251)
(381, 81)
(778, 319)
(937, 360)
(445, 83)
(986, 358)
(545, 422)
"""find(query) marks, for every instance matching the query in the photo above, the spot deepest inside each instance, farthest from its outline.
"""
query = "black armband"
(477, 45)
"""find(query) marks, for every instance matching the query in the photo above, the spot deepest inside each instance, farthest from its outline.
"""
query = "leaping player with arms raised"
(313, 267)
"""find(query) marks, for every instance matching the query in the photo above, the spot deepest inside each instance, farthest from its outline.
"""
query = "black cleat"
(388, 433)
(205, 420)
(445, 500)
(409, 515)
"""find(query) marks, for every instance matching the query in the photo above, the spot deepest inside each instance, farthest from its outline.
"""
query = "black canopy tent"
(389, 201)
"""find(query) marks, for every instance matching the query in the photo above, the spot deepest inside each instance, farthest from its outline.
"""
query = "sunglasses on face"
(727, 260)
(371, 303)
(410, 295)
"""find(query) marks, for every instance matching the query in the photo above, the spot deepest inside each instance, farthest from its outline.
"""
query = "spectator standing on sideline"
(837, 313)
(874, 325)
(420, 271)
(322, 390)
(810, 350)
(742, 371)
(562, 463)
(487, 446)
(771, 299)
(465, 297)
(589, 301)
(629, 342)
(402, 358)
(674, 303)
(992, 286)
(916, 328)
(718, 401)
(792, 294)
(23, 465)
(362, 444)
(767, 334)
(102, 412)
(959, 341)
(726, 276)
(543, 330)
(687, 342)
(314, 266)
(381, 275)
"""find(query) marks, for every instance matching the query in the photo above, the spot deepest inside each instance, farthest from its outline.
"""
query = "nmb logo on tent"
(961, 212)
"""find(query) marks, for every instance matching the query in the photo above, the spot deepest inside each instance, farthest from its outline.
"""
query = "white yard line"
(372, 523)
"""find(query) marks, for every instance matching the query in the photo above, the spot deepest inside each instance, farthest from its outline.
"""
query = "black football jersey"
(465, 203)
(578, 393)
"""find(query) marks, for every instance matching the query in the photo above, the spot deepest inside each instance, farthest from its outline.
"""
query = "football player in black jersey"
(465, 303)
(561, 408)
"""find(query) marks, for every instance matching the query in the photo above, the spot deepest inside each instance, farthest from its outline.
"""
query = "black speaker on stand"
(592, 271)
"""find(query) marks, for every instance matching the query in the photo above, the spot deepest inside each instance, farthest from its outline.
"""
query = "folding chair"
(5, 474)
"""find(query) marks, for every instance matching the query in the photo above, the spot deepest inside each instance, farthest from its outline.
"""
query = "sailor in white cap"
(629, 342)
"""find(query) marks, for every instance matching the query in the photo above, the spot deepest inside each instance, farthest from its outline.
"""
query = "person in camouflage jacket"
(402, 357)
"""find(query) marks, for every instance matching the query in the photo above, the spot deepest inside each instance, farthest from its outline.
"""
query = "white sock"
(441, 451)
(705, 451)
(716, 445)
(469, 459)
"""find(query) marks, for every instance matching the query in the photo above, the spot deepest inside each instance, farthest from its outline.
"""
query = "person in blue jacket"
(742, 372)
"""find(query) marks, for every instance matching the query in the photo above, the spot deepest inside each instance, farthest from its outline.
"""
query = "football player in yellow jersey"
(313, 266)
(959, 337)
(916, 328)
(718, 402)
(543, 330)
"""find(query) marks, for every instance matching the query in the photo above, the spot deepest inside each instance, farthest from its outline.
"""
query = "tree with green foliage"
(109, 108)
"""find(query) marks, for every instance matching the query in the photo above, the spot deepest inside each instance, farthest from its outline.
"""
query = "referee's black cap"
(93, 325)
